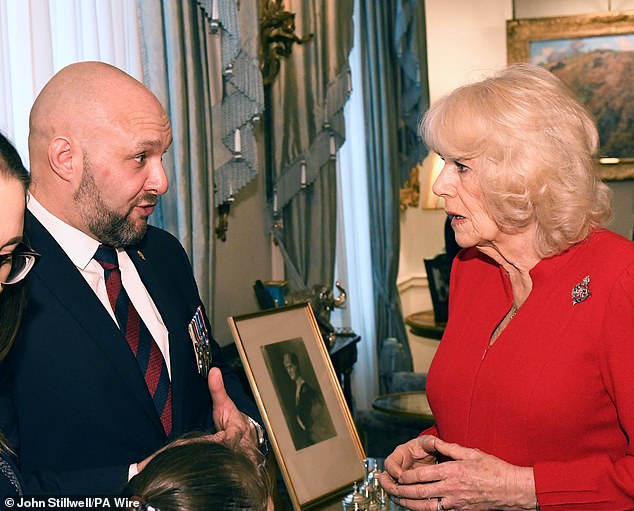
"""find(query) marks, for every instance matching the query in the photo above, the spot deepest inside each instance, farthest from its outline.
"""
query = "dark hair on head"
(292, 357)
(11, 164)
(201, 475)
(13, 298)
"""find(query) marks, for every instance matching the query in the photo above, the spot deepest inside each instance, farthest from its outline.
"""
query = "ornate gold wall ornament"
(277, 36)
(410, 192)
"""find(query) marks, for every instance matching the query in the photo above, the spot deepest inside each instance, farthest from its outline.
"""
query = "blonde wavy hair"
(535, 146)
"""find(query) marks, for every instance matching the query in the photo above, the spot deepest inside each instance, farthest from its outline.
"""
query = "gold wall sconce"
(417, 191)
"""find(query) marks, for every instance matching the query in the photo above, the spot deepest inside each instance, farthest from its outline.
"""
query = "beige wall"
(467, 39)
(241, 260)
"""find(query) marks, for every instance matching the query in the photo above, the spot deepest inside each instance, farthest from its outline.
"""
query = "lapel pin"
(581, 291)
(140, 254)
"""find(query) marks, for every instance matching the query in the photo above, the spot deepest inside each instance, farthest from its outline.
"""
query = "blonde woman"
(532, 386)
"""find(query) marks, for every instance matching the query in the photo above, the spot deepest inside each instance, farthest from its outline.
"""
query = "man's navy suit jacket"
(81, 410)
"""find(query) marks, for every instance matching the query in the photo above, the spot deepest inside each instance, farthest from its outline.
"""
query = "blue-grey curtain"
(198, 58)
(306, 118)
(393, 58)
(237, 92)
(176, 68)
(308, 236)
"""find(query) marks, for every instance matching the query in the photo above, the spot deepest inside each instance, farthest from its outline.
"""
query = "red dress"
(556, 389)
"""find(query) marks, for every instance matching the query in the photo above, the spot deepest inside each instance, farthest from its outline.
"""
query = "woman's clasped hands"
(429, 474)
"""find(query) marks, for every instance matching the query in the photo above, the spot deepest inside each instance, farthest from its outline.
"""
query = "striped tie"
(146, 351)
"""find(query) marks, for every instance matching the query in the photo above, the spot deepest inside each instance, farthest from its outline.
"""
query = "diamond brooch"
(581, 291)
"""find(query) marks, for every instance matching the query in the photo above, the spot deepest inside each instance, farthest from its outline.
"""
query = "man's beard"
(109, 227)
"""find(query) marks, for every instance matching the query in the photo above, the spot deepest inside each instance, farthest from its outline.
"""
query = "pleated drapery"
(237, 93)
(306, 117)
(395, 96)
(199, 58)
(176, 67)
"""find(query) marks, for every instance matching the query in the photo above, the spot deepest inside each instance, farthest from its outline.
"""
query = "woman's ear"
(60, 157)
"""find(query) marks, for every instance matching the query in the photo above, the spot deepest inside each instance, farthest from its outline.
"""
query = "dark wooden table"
(405, 404)
(343, 354)
(422, 323)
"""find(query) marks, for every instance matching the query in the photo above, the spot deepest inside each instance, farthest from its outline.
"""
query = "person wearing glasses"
(16, 259)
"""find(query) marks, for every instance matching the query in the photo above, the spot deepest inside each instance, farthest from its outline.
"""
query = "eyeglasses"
(15, 266)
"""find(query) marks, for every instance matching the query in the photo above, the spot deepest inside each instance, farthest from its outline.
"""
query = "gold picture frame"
(307, 419)
(522, 33)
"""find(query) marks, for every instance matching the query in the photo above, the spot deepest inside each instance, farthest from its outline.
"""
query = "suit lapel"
(56, 271)
(150, 269)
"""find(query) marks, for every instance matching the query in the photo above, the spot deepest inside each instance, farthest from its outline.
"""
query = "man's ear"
(62, 158)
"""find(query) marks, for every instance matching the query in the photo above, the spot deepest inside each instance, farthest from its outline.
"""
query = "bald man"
(96, 386)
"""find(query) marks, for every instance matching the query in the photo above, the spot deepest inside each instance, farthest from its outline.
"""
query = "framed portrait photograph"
(438, 270)
(594, 56)
(310, 427)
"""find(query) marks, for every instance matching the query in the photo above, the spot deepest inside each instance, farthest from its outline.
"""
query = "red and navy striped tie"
(146, 351)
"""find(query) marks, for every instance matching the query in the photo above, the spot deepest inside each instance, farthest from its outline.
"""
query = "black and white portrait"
(298, 391)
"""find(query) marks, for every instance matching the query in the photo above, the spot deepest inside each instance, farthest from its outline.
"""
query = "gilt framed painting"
(594, 55)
